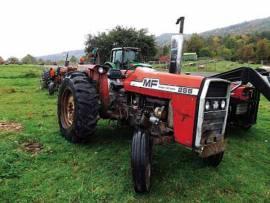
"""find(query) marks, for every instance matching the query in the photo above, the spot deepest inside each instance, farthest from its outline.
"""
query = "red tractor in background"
(52, 78)
(161, 107)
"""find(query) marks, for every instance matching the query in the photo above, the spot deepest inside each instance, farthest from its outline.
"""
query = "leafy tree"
(246, 53)
(265, 34)
(73, 59)
(2, 61)
(165, 50)
(205, 52)
(225, 53)
(120, 37)
(195, 43)
(13, 60)
(215, 44)
(262, 49)
(28, 59)
(40, 61)
(229, 42)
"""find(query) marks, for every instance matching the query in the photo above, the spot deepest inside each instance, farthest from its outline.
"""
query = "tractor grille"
(214, 117)
(213, 112)
(212, 126)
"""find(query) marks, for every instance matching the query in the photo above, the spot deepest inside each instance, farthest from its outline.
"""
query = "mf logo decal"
(152, 83)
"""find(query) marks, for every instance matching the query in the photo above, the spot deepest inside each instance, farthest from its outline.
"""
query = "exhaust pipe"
(177, 43)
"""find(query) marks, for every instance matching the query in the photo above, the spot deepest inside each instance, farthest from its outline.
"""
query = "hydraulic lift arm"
(259, 78)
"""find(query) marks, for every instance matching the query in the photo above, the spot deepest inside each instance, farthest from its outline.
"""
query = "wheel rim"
(68, 109)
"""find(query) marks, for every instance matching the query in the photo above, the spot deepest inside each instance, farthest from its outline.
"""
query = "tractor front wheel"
(141, 161)
(214, 160)
(77, 107)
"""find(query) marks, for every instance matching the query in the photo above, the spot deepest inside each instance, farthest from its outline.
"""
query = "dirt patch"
(32, 147)
(10, 127)
(7, 90)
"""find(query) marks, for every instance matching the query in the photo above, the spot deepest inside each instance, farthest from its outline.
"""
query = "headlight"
(101, 70)
(215, 105)
(207, 105)
(223, 104)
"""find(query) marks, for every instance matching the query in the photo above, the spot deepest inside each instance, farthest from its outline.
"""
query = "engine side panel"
(184, 111)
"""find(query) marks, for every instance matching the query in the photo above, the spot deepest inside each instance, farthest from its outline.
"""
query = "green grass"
(209, 66)
(100, 170)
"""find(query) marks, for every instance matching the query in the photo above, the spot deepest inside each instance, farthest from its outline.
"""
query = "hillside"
(258, 25)
(62, 56)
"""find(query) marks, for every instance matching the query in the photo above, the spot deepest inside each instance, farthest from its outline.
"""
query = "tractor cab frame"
(126, 58)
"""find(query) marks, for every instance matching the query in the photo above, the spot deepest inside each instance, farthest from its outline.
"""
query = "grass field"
(100, 171)
(209, 66)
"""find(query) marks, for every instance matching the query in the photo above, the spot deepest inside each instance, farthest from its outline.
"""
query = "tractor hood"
(161, 84)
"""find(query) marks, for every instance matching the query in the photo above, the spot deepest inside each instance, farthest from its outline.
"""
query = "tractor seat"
(115, 74)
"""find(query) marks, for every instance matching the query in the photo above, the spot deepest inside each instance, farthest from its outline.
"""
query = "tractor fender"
(110, 64)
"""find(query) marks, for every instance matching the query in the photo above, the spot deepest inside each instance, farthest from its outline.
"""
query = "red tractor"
(160, 107)
(52, 78)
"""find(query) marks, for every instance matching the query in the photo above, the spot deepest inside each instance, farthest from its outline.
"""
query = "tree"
(205, 52)
(195, 43)
(122, 37)
(165, 50)
(214, 43)
(28, 59)
(225, 53)
(263, 50)
(13, 60)
(2, 61)
(73, 59)
(247, 53)
(40, 61)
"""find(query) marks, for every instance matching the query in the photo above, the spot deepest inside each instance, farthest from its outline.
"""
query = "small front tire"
(214, 160)
(141, 162)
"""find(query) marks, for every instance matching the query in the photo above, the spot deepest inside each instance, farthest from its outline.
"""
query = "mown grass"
(100, 171)
(208, 66)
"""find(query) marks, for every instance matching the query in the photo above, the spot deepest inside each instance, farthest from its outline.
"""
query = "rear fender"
(102, 85)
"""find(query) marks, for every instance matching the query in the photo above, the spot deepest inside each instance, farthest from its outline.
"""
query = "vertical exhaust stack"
(177, 43)
(67, 61)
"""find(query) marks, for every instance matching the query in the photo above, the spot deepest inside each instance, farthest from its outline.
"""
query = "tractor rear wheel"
(77, 107)
(214, 160)
(44, 80)
(141, 160)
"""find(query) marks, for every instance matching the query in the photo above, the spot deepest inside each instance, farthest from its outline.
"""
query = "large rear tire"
(77, 107)
(141, 161)
(45, 76)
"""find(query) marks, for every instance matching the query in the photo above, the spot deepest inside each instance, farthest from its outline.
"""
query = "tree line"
(244, 48)
(29, 59)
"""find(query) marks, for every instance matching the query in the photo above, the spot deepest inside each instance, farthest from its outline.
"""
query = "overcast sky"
(41, 27)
